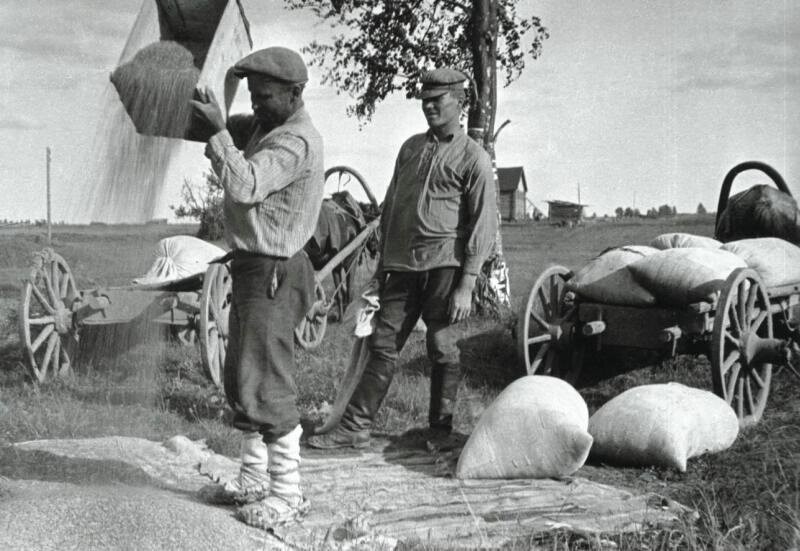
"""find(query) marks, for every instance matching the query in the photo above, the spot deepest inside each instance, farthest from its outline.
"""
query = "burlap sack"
(178, 257)
(535, 428)
(776, 261)
(662, 425)
(678, 277)
(607, 279)
(682, 240)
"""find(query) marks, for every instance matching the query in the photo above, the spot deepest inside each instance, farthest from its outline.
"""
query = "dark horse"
(341, 219)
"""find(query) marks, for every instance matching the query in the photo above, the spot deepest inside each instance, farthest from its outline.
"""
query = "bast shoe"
(247, 487)
(339, 438)
(273, 512)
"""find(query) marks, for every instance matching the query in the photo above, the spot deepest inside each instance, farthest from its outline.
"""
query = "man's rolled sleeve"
(482, 209)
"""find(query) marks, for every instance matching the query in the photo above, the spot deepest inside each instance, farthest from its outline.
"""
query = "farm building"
(512, 201)
(564, 213)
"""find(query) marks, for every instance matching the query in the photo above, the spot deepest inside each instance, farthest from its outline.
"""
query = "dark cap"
(440, 81)
(276, 62)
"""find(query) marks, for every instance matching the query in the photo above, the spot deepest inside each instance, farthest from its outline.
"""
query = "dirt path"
(129, 493)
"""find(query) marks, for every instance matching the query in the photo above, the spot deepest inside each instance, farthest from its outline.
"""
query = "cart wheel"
(46, 329)
(311, 329)
(215, 305)
(345, 176)
(546, 343)
(742, 318)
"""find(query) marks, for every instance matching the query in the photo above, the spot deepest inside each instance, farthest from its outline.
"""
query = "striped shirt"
(440, 208)
(273, 183)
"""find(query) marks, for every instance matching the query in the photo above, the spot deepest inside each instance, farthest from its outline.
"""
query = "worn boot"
(353, 429)
(285, 503)
(445, 380)
(338, 438)
(251, 484)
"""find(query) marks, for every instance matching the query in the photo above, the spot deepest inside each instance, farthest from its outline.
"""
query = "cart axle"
(756, 350)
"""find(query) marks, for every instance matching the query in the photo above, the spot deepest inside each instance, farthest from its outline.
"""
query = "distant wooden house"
(513, 186)
(564, 213)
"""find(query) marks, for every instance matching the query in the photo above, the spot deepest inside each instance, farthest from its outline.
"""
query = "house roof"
(558, 203)
(509, 178)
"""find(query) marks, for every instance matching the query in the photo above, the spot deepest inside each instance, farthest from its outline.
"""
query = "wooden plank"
(640, 327)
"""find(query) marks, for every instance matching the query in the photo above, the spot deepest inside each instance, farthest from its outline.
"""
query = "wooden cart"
(746, 330)
(52, 310)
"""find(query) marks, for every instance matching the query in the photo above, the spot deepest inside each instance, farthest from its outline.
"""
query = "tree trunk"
(484, 29)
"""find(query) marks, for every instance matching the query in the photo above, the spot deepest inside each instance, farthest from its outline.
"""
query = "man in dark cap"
(271, 169)
(437, 228)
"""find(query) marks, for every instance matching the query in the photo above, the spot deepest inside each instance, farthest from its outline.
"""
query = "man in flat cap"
(271, 169)
(437, 228)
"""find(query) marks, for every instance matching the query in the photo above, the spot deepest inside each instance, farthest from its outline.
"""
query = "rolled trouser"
(405, 296)
(270, 297)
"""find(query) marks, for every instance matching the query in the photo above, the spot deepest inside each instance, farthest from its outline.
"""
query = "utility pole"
(579, 193)
(49, 231)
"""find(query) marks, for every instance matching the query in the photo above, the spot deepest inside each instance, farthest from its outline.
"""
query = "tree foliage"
(384, 45)
(203, 202)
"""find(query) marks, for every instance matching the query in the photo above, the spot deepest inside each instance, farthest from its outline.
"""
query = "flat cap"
(276, 62)
(440, 81)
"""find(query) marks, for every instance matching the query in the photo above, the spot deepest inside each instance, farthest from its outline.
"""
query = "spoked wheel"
(311, 329)
(738, 350)
(47, 333)
(215, 306)
(546, 339)
(344, 178)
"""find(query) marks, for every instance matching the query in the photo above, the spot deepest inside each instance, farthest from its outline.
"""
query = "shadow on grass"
(425, 451)
(488, 359)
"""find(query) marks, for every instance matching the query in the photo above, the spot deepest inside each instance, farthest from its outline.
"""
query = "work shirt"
(440, 208)
(273, 183)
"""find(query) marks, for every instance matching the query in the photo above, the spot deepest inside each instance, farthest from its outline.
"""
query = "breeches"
(270, 297)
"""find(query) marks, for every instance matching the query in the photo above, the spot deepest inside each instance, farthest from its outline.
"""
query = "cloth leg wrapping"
(254, 451)
(284, 467)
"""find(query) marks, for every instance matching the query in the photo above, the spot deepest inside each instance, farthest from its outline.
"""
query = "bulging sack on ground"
(682, 240)
(678, 277)
(662, 425)
(607, 279)
(761, 211)
(535, 428)
(178, 257)
(777, 261)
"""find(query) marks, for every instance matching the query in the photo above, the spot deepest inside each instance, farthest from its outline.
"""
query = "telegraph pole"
(49, 231)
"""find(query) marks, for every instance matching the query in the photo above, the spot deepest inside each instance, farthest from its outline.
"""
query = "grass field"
(748, 497)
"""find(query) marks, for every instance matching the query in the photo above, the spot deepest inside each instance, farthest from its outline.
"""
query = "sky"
(631, 103)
